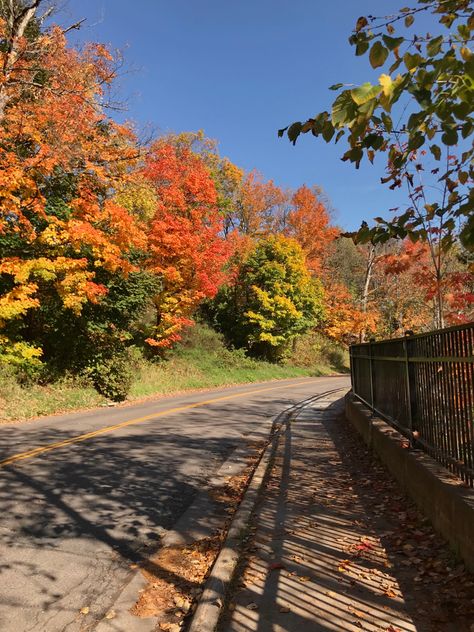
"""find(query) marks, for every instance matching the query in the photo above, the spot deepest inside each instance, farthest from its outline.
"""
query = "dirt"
(176, 574)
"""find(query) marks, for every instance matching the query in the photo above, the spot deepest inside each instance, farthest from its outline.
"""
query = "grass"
(200, 361)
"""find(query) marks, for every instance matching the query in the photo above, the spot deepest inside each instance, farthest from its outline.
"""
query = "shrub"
(112, 376)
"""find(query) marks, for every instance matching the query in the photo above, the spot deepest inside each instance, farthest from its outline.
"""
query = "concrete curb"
(208, 611)
(210, 605)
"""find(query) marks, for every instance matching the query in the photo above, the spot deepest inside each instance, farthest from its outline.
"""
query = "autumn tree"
(272, 300)
(62, 235)
(186, 246)
(307, 220)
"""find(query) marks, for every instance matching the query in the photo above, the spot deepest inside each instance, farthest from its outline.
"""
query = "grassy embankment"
(200, 361)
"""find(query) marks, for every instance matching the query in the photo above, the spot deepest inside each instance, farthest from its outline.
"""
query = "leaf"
(361, 23)
(378, 55)
(284, 609)
(294, 131)
(466, 54)
(252, 606)
(436, 151)
(336, 86)
(276, 565)
(84, 610)
(392, 42)
(412, 61)
(343, 109)
(364, 93)
(434, 46)
(450, 137)
(387, 84)
(409, 20)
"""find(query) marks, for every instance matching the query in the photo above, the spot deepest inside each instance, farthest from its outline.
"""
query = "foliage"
(186, 246)
(307, 220)
(111, 376)
(419, 114)
(272, 300)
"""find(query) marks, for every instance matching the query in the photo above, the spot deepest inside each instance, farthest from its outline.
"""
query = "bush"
(112, 377)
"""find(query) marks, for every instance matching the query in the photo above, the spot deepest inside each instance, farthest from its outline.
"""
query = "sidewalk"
(336, 546)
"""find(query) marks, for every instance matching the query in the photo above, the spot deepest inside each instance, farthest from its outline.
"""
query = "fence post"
(408, 380)
(371, 370)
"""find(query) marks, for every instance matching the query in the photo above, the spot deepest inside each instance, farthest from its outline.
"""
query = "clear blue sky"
(241, 69)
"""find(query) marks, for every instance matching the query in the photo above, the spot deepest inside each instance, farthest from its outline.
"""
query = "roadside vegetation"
(200, 360)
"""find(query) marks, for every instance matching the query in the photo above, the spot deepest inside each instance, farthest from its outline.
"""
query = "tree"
(273, 299)
(307, 220)
(420, 116)
(186, 246)
(260, 203)
(61, 160)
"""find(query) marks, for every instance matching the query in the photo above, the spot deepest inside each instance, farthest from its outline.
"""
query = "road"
(84, 495)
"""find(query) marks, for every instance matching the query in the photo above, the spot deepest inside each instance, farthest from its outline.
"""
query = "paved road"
(76, 511)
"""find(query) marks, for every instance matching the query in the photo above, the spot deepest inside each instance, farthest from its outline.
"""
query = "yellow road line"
(89, 435)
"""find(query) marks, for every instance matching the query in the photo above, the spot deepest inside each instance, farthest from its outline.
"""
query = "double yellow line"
(131, 422)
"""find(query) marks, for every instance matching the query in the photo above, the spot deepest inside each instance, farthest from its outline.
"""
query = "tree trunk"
(368, 279)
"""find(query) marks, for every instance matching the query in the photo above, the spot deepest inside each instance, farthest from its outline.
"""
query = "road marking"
(89, 435)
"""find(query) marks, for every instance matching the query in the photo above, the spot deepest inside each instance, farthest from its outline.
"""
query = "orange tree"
(63, 238)
(187, 249)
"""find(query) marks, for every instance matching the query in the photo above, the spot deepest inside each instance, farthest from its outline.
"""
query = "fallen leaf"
(284, 609)
(110, 614)
(252, 606)
(85, 610)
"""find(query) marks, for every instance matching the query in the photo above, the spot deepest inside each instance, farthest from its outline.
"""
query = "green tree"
(419, 114)
(272, 300)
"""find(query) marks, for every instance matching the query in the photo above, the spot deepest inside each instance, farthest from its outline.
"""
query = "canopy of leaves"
(272, 300)
(419, 114)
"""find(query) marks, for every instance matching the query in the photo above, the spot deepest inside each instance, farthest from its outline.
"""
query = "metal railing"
(424, 386)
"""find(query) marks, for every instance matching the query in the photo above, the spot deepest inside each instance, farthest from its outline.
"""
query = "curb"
(209, 608)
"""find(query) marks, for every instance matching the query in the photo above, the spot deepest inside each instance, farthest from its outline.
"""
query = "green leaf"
(450, 137)
(362, 47)
(294, 131)
(416, 141)
(436, 151)
(467, 129)
(434, 46)
(282, 131)
(344, 109)
(392, 42)
(412, 61)
(336, 86)
(365, 92)
(328, 131)
(387, 121)
(378, 55)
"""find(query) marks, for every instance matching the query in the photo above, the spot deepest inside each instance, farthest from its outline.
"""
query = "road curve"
(84, 495)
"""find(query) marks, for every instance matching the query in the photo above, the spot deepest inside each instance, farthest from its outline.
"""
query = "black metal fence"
(424, 386)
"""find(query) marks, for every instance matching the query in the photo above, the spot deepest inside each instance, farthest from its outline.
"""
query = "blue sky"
(240, 70)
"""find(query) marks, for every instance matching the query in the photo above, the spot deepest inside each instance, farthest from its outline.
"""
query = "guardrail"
(424, 386)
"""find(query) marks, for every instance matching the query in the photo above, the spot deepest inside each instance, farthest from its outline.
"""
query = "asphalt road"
(83, 496)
